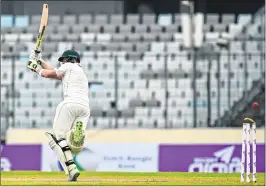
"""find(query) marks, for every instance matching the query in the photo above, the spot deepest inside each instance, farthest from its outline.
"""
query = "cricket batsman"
(72, 114)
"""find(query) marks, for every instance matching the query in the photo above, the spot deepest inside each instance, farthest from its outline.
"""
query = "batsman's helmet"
(70, 54)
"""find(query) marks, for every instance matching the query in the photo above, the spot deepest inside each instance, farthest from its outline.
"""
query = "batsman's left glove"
(32, 65)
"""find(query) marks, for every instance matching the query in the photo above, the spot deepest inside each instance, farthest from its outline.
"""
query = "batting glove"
(36, 55)
(32, 65)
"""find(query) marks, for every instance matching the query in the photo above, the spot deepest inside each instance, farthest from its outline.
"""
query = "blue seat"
(165, 19)
(21, 21)
(6, 21)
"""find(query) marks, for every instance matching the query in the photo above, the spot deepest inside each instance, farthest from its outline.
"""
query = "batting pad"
(62, 151)
(73, 146)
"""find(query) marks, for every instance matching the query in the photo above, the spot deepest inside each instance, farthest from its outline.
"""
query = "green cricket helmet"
(70, 54)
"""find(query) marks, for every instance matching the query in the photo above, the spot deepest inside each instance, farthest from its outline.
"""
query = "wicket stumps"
(246, 150)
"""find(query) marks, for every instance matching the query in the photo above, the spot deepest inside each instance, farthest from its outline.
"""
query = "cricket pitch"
(15, 178)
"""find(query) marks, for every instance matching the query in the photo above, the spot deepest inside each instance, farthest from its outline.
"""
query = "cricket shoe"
(77, 135)
(73, 174)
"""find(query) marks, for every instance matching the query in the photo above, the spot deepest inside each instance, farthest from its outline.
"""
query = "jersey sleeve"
(61, 70)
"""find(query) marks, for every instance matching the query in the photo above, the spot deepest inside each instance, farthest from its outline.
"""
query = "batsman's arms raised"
(43, 63)
(47, 73)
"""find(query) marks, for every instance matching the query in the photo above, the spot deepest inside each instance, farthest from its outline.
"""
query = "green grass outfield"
(122, 178)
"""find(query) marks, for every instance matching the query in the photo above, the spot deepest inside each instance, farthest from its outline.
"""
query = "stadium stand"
(140, 61)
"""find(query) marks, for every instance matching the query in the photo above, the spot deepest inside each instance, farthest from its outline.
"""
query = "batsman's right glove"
(32, 65)
(36, 55)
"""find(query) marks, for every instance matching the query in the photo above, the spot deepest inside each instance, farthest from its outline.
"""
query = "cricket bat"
(44, 21)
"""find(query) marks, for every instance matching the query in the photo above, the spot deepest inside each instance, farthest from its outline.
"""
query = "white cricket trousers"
(66, 116)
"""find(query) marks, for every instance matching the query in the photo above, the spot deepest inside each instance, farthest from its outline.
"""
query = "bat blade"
(43, 24)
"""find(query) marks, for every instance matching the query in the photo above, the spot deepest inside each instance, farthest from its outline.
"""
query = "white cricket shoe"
(73, 174)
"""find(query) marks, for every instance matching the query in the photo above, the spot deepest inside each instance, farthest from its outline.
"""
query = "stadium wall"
(180, 136)
(184, 150)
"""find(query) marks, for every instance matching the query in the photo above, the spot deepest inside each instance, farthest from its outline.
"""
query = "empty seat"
(140, 28)
(51, 30)
(95, 47)
(69, 19)
(127, 123)
(49, 47)
(252, 46)
(164, 19)
(11, 37)
(87, 37)
(134, 55)
(134, 37)
(72, 37)
(237, 46)
(142, 47)
(26, 37)
(116, 19)
(155, 29)
(7, 21)
(219, 28)
(77, 29)
(111, 113)
(126, 47)
(157, 112)
(132, 19)
(23, 122)
(178, 37)
(141, 112)
(53, 19)
(165, 37)
(62, 29)
(136, 102)
(228, 18)
(157, 46)
(125, 29)
(211, 36)
(212, 19)
(177, 19)
(235, 29)
(6, 47)
(148, 19)
(112, 46)
(118, 37)
(5, 30)
(35, 19)
(21, 21)
(106, 58)
(171, 29)
(32, 29)
(151, 103)
(149, 37)
(109, 29)
(147, 74)
(253, 30)
(94, 28)
(18, 29)
(173, 47)
(96, 112)
(101, 19)
(103, 37)
(244, 19)
(20, 47)
(56, 37)
(85, 19)
(140, 84)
